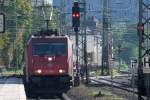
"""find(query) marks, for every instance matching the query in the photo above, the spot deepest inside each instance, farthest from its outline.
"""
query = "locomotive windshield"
(52, 49)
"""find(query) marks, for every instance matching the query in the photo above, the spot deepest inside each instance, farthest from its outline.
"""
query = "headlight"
(39, 71)
(49, 59)
(61, 71)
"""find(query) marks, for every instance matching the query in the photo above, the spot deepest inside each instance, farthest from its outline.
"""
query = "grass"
(105, 94)
(98, 72)
(113, 98)
(11, 71)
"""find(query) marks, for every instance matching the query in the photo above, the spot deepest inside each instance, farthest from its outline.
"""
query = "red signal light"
(77, 15)
(74, 15)
(141, 27)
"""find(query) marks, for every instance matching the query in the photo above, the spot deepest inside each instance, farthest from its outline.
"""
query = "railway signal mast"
(75, 15)
(144, 48)
(81, 38)
(76, 25)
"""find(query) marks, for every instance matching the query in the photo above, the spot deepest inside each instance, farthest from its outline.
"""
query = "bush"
(123, 66)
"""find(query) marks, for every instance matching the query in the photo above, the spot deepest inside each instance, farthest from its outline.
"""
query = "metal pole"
(105, 37)
(85, 45)
(97, 55)
(77, 54)
(119, 55)
(140, 53)
(147, 84)
(112, 65)
(133, 78)
(47, 21)
(148, 75)
(144, 49)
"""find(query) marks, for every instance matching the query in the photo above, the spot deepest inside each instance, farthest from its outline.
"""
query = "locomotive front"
(49, 64)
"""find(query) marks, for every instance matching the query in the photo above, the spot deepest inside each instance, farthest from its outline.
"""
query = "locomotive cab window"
(50, 49)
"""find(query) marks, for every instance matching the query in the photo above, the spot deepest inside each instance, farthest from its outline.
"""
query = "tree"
(125, 36)
(24, 23)
(18, 24)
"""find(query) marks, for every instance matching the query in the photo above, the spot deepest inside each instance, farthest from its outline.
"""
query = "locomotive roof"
(48, 34)
(60, 36)
(48, 37)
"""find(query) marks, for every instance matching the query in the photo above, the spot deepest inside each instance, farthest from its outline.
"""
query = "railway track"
(119, 83)
(63, 97)
(114, 84)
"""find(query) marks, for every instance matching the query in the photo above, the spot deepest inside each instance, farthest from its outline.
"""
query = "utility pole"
(106, 37)
(83, 41)
(77, 54)
(119, 56)
(97, 45)
(144, 48)
(85, 44)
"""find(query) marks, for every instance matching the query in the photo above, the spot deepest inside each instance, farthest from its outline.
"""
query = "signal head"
(75, 15)
(76, 4)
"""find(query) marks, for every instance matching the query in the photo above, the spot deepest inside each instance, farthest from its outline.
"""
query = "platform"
(12, 89)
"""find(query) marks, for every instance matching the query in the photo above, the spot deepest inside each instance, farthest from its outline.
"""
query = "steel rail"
(109, 84)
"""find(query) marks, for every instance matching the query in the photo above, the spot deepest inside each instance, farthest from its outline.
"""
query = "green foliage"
(19, 22)
(127, 39)
(129, 51)
(123, 66)
(5, 48)
(18, 26)
(24, 11)
(11, 71)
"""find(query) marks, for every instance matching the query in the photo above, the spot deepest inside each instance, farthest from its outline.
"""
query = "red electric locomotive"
(49, 65)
